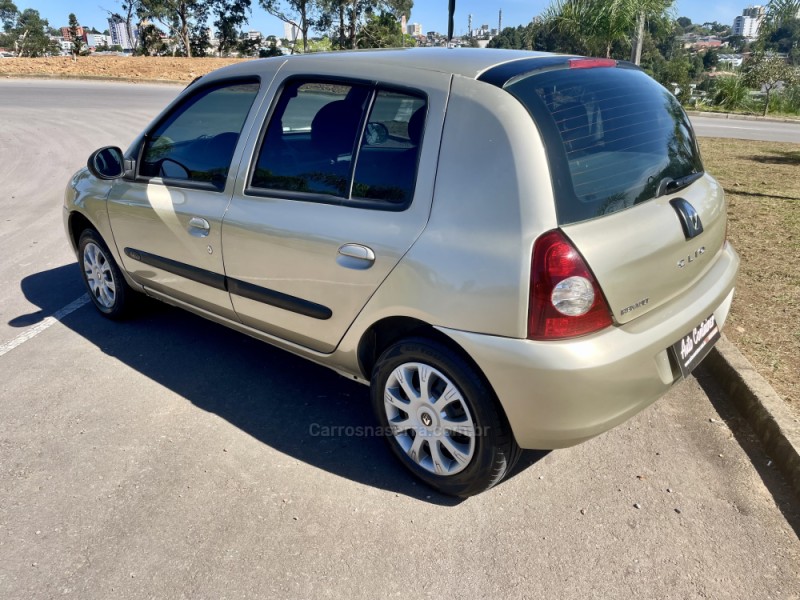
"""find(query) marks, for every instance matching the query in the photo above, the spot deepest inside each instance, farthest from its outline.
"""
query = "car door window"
(195, 143)
(318, 141)
(387, 158)
(310, 141)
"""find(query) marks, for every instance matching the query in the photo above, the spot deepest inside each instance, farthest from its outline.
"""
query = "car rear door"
(338, 188)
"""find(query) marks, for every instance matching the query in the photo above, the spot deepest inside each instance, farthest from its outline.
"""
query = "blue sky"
(432, 14)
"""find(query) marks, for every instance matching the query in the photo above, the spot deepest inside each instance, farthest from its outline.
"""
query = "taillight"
(591, 63)
(565, 299)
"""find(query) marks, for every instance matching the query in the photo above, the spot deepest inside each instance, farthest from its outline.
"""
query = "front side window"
(196, 141)
(349, 142)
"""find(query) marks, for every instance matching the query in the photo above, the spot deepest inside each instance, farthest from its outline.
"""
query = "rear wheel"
(107, 288)
(442, 419)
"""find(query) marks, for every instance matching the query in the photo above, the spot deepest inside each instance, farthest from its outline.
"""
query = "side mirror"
(377, 133)
(107, 163)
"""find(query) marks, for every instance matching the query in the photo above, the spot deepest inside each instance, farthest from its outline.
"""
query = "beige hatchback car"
(513, 250)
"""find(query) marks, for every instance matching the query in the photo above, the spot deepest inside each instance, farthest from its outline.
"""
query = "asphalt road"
(168, 457)
(768, 131)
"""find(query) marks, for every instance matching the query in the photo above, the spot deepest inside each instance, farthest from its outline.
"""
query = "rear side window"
(196, 141)
(352, 143)
(623, 139)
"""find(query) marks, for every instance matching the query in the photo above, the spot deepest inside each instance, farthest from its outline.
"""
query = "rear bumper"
(558, 394)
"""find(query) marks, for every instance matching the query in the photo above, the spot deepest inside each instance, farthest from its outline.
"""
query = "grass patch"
(762, 184)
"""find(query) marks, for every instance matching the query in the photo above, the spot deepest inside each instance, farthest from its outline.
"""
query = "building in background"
(748, 23)
(97, 40)
(292, 32)
(67, 34)
(414, 29)
(120, 34)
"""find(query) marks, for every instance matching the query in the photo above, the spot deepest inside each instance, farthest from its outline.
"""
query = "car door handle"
(199, 227)
(355, 256)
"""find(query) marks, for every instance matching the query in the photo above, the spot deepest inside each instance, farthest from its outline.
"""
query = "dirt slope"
(137, 68)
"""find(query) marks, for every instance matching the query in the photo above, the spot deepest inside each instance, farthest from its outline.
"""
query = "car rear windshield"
(620, 138)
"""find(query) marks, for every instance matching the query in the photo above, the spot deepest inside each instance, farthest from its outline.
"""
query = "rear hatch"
(630, 188)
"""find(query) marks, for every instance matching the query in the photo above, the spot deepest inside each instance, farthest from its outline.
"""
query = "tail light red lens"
(555, 260)
(591, 63)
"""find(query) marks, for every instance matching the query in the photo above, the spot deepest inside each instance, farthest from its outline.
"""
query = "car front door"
(167, 219)
(338, 189)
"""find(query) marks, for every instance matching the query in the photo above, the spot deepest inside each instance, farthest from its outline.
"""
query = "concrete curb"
(767, 413)
(716, 115)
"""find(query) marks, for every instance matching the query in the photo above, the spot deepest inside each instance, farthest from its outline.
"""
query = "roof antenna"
(451, 11)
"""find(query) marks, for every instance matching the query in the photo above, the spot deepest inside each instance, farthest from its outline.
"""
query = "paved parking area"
(168, 457)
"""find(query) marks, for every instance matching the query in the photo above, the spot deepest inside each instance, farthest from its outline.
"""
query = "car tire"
(110, 293)
(441, 418)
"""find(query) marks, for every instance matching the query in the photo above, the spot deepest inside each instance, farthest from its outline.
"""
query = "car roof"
(468, 62)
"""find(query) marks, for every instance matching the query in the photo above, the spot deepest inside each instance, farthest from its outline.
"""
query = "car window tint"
(389, 152)
(310, 141)
(196, 141)
(624, 136)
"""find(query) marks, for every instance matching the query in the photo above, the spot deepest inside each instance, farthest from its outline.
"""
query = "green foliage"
(599, 24)
(381, 31)
(766, 72)
(28, 35)
(77, 40)
(710, 59)
(737, 43)
(786, 101)
(784, 39)
(229, 17)
(731, 93)
(248, 47)
(298, 13)
(271, 50)
(8, 14)
(150, 42)
(179, 17)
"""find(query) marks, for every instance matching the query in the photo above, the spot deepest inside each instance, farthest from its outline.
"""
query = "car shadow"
(748, 440)
(288, 403)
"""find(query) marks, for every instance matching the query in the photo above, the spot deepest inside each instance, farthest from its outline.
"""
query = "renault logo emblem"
(690, 220)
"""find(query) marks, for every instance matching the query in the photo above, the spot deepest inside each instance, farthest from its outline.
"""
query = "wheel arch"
(385, 332)
(78, 223)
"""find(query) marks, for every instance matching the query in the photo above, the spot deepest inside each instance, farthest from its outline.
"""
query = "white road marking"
(45, 324)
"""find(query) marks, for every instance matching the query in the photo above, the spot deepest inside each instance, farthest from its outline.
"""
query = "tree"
(381, 31)
(684, 22)
(77, 40)
(767, 72)
(345, 20)
(8, 14)
(229, 15)
(601, 23)
(778, 13)
(179, 17)
(297, 13)
(737, 43)
(710, 59)
(249, 47)
(785, 39)
(29, 35)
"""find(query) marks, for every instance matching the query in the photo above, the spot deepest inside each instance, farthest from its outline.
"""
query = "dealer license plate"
(695, 345)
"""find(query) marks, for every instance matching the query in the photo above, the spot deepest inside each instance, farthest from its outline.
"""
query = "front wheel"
(441, 418)
(107, 287)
